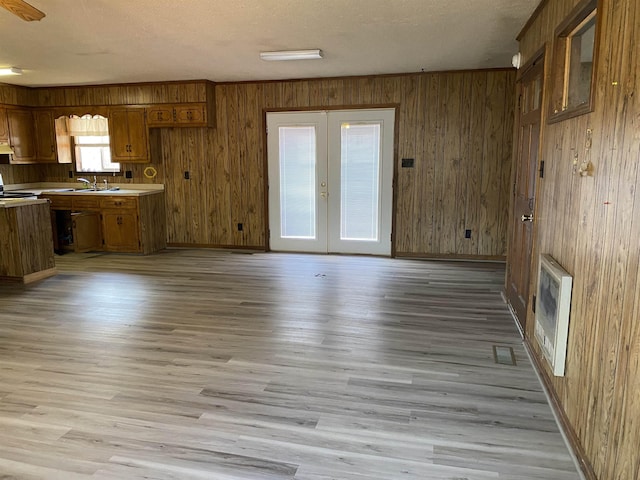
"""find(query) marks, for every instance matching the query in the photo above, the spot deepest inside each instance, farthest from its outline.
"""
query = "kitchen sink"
(112, 189)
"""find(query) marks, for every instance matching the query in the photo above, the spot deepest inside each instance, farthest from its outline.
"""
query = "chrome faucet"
(93, 185)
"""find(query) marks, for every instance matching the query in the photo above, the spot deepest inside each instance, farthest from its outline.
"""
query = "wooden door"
(138, 138)
(45, 139)
(4, 126)
(87, 236)
(160, 116)
(119, 135)
(193, 115)
(525, 172)
(120, 231)
(128, 135)
(21, 136)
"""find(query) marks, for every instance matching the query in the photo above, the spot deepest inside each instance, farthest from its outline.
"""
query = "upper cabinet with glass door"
(574, 63)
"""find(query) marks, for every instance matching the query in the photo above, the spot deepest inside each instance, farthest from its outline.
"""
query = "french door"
(330, 181)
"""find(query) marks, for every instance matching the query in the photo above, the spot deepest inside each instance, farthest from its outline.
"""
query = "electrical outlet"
(128, 174)
(467, 234)
(408, 162)
(70, 173)
(240, 227)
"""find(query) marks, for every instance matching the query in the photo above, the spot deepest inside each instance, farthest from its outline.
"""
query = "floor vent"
(504, 355)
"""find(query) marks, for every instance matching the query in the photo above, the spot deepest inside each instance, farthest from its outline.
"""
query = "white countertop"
(69, 188)
(20, 202)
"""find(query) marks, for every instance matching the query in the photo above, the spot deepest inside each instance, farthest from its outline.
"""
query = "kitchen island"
(26, 240)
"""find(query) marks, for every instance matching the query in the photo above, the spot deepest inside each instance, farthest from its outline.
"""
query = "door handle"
(527, 217)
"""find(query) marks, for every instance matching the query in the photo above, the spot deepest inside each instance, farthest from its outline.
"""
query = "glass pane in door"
(360, 182)
(297, 181)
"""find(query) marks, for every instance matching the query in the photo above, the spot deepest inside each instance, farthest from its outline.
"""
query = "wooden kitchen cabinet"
(4, 126)
(178, 115)
(45, 136)
(160, 116)
(128, 135)
(87, 231)
(120, 231)
(191, 115)
(120, 224)
(21, 135)
(125, 223)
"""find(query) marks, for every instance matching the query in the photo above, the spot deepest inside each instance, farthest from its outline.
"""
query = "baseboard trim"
(30, 277)
(451, 256)
(571, 439)
(221, 247)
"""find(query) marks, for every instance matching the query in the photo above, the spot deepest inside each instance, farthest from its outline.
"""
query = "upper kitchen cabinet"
(4, 126)
(180, 115)
(129, 138)
(45, 136)
(22, 135)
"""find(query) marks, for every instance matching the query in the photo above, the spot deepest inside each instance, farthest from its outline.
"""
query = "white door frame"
(386, 116)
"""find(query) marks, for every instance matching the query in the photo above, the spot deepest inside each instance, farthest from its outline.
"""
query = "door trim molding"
(265, 159)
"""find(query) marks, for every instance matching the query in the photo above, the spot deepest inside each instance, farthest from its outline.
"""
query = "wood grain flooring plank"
(201, 364)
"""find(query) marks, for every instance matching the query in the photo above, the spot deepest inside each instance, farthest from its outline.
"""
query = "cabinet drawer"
(119, 202)
(80, 203)
(59, 203)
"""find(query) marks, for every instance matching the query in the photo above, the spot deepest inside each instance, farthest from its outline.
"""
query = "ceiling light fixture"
(10, 71)
(292, 55)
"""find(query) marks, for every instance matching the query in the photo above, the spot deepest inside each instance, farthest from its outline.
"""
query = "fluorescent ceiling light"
(291, 55)
(10, 71)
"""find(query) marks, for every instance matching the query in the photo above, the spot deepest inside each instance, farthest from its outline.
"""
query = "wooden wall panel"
(14, 95)
(590, 225)
(457, 183)
(142, 93)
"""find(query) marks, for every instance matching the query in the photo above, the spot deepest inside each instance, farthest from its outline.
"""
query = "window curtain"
(86, 126)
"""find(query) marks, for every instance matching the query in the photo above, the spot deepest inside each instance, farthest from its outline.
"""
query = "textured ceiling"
(116, 41)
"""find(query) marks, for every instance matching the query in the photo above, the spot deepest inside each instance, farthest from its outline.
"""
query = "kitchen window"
(87, 139)
(93, 154)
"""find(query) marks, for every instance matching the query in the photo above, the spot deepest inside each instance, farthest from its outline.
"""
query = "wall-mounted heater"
(553, 304)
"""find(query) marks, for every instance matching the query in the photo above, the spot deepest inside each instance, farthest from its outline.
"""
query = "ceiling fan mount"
(22, 9)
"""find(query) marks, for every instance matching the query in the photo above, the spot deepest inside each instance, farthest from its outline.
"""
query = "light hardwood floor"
(200, 364)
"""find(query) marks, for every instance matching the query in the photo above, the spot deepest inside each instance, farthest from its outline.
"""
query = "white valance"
(87, 125)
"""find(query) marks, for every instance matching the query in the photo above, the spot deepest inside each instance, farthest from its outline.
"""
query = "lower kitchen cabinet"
(111, 223)
(120, 231)
(86, 231)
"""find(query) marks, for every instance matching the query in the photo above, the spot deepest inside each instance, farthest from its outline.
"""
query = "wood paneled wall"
(590, 225)
(14, 95)
(457, 126)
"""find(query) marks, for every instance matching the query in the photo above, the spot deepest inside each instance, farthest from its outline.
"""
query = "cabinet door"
(45, 140)
(120, 231)
(160, 116)
(4, 126)
(128, 135)
(138, 138)
(87, 236)
(21, 136)
(119, 135)
(192, 115)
